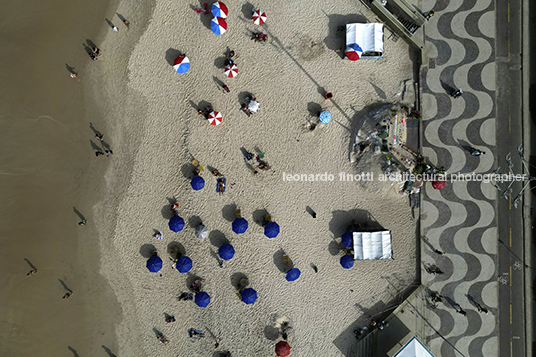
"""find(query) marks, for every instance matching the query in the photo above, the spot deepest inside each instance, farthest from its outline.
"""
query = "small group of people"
(259, 37)
(95, 53)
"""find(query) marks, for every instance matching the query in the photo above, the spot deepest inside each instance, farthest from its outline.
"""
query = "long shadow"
(91, 44)
(108, 351)
(217, 238)
(147, 250)
(110, 23)
(379, 91)
(121, 17)
(70, 69)
(65, 286)
(80, 215)
(88, 49)
(95, 146)
(447, 88)
(73, 351)
(215, 255)
(30, 264)
(310, 211)
(95, 131)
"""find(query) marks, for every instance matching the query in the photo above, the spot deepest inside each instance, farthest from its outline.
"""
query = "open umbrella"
(254, 106)
(282, 349)
(202, 299)
(325, 117)
(181, 64)
(226, 251)
(219, 9)
(231, 70)
(215, 118)
(154, 263)
(259, 17)
(240, 225)
(176, 224)
(347, 261)
(438, 185)
(184, 264)
(197, 183)
(271, 230)
(293, 274)
(218, 25)
(347, 239)
(353, 51)
(201, 231)
(248, 296)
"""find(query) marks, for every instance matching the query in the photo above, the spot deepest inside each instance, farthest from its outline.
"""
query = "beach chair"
(195, 163)
(237, 213)
(286, 260)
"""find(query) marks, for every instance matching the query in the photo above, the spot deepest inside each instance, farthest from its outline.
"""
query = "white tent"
(372, 245)
(414, 348)
(368, 36)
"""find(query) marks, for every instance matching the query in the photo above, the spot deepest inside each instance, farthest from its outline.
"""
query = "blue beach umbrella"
(325, 117)
(154, 264)
(176, 224)
(202, 299)
(184, 264)
(248, 296)
(240, 225)
(346, 239)
(197, 183)
(226, 251)
(271, 230)
(293, 274)
(347, 262)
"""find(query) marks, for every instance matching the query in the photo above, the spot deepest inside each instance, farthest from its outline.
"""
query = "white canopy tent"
(372, 245)
(368, 36)
(414, 348)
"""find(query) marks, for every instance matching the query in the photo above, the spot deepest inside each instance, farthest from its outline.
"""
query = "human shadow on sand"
(73, 351)
(108, 351)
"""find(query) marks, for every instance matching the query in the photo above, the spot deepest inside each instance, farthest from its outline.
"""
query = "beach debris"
(181, 64)
(218, 25)
(219, 9)
(231, 70)
(176, 224)
(226, 251)
(293, 274)
(282, 349)
(259, 17)
(215, 118)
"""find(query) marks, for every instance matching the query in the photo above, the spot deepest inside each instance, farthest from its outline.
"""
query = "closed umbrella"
(181, 64)
(282, 349)
(248, 296)
(218, 25)
(353, 51)
(271, 230)
(202, 299)
(325, 117)
(347, 262)
(197, 183)
(201, 231)
(231, 70)
(259, 17)
(240, 225)
(176, 224)
(184, 264)
(226, 251)
(215, 118)
(347, 239)
(219, 9)
(293, 274)
(154, 264)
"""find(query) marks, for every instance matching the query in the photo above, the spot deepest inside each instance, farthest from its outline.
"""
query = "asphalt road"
(512, 337)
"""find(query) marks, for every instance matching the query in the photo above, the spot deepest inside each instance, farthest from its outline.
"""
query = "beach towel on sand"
(218, 184)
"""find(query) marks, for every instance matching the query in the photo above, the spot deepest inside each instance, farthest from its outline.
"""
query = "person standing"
(82, 223)
(115, 29)
(439, 252)
(127, 23)
(477, 152)
(74, 75)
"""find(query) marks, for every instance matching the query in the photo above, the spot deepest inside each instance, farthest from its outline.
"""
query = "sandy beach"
(289, 75)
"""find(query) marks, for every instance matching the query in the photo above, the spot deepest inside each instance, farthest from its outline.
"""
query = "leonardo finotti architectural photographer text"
(369, 176)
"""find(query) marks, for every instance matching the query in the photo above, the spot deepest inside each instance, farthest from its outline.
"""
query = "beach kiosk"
(414, 348)
(364, 41)
(372, 245)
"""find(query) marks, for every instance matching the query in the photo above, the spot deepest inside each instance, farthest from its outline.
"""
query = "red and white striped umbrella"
(215, 118)
(259, 17)
(231, 70)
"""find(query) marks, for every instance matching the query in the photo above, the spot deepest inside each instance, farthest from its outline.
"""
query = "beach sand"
(157, 133)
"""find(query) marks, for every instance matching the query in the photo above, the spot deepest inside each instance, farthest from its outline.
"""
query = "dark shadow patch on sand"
(314, 109)
(188, 171)
(108, 351)
(271, 332)
(259, 216)
(217, 238)
(236, 279)
(228, 212)
(147, 250)
(190, 280)
(171, 55)
(194, 221)
(80, 215)
(279, 261)
(335, 248)
(175, 250)
(65, 286)
(336, 39)
(73, 351)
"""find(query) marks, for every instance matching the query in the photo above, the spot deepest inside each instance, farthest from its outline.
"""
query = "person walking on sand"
(439, 252)
(158, 235)
(74, 75)
(481, 308)
(100, 137)
(82, 223)
(476, 152)
(461, 311)
(109, 152)
(98, 153)
(127, 23)
(32, 272)
(115, 29)
(67, 294)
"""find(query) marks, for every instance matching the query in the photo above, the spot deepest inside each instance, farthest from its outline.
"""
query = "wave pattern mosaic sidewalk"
(461, 218)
